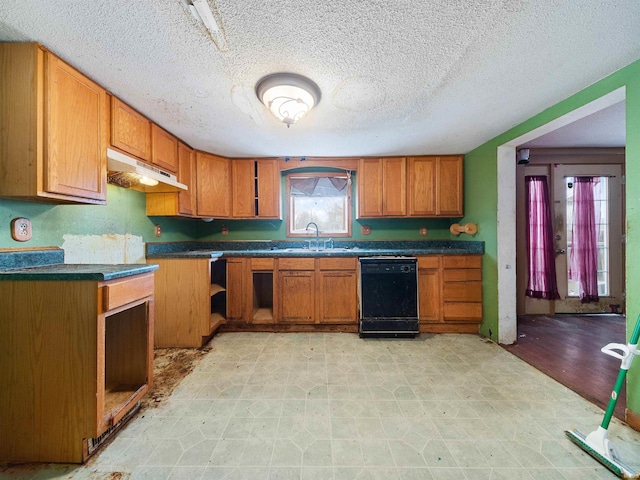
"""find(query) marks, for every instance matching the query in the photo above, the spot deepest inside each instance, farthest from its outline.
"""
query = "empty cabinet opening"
(125, 356)
(218, 293)
(262, 297)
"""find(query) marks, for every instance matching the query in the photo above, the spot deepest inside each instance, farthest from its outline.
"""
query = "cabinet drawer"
(462, 261)
(337, 263)
(462, 292)
(428, 262)
(463, 312)
(262, 263)
(121, 292)
(462, 275)
(296, 263)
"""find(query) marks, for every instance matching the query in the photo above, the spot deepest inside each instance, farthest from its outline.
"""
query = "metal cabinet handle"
(560, 250)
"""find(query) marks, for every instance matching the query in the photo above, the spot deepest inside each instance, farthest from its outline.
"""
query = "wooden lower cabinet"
(190, 300)
(337, 300)
(297, 290)
(76, 358)
(450, 293)
(262, 286)
(429, 289)
(237, 290)
(462, 288)
(322, 293)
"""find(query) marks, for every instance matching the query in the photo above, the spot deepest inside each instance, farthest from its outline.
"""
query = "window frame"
(348, 209)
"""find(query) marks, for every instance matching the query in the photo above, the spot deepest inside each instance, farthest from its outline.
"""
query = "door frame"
(506, 212)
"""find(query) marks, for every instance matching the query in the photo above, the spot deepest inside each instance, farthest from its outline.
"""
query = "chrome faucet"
(317, 234)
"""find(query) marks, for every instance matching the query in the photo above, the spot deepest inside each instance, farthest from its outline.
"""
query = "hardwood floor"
(567, 348)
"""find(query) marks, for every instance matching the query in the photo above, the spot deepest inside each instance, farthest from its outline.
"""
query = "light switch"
(21, 229)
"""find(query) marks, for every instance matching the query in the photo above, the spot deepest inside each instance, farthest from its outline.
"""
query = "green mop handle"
(635, 336)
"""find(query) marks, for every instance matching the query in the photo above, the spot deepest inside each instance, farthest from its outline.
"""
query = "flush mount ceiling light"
(288, 96)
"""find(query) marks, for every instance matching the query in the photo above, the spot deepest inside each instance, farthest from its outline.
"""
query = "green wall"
(481, 200)
(123, 214)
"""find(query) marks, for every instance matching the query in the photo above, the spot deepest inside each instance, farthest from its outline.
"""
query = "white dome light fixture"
(288, 96)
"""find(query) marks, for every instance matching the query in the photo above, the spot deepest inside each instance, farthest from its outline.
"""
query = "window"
(601, 207)
(323, 198)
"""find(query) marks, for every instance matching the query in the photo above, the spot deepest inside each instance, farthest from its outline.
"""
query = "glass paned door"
(602, 210)
(608, 213)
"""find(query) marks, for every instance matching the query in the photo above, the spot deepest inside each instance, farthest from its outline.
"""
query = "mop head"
(610, 461)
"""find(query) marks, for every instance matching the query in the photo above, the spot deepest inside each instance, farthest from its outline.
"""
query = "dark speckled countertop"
(296, 249)
(47, 264)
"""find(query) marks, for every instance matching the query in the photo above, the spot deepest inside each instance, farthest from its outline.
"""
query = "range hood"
(129, 172)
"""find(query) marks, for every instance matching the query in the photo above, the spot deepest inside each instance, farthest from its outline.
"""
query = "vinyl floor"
(334, 406)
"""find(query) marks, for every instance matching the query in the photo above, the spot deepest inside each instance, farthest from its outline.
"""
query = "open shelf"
(262, 297)
(215, 289)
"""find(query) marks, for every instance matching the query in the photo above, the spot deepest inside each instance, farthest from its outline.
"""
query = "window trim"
(349, 207)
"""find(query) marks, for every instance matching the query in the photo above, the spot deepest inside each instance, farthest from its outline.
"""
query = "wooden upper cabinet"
(54, 127)
(435, 186)
(394, 186)
(164, 149)
(182, 203)
(213, 175)
(243, 188)
(382, 189)
(187, 175)
(130, 131)
(422, 186)
(255, 188)
(370, 187)
(450, 186)
(268, 182)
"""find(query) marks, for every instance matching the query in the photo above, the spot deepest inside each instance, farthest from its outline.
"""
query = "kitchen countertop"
(295, 249)
(69, 272)
(47, 264)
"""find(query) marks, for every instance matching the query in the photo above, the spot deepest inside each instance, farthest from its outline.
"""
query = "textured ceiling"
(397, 77)
(605, 128)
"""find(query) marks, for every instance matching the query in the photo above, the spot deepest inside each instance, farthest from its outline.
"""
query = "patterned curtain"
(541, 282)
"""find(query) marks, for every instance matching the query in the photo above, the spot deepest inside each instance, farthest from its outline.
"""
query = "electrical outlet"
(21, 230)
(158, 230)
(365, 230)
(423, 231)
(225, 230)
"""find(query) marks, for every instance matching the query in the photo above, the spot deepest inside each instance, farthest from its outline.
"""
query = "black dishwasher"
(388, 297)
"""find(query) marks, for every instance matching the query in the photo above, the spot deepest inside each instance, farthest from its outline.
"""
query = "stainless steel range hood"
(132, 173)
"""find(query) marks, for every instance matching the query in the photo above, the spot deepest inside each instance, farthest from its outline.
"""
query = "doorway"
(561, 168)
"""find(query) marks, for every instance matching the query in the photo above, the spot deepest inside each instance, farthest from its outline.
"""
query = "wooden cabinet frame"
(84, 357)
(54, 129)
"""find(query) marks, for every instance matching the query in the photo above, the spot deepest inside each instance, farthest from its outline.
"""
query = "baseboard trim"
(632, 419)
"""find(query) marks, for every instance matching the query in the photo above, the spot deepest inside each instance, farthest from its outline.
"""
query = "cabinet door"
(76, 132)
(296, 296)
(243, 175)
(268, 184)
(370, 187)
(237, 288)
(450, 186)
(164, 149)
(338, 302)
(429, 295)
(130, 131)
(213, 184)
(187, 165)
(394, 187)
(422, 186)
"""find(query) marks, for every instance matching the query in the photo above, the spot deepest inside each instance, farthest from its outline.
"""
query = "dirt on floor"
(170, 366)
